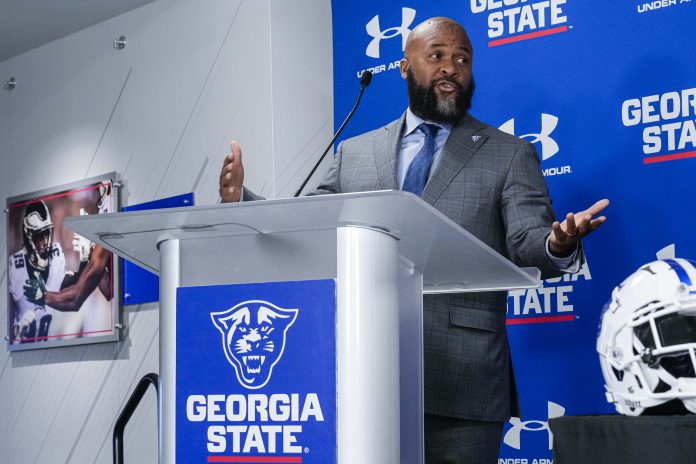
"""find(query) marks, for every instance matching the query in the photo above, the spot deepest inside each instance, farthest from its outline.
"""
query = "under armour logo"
(549, 147)
(373, 29)
(512, 437)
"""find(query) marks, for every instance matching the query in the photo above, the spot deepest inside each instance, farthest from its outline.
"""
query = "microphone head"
(366, 78)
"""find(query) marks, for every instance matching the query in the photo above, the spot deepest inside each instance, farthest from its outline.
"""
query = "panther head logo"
(253, 338)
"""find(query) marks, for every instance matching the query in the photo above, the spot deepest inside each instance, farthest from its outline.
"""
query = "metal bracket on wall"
(10, 84)
(120, 43)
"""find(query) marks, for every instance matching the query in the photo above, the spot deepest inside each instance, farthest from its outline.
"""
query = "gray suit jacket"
(492, 186)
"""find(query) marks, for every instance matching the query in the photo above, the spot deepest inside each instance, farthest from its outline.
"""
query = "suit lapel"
(462, 144)
(386, 149)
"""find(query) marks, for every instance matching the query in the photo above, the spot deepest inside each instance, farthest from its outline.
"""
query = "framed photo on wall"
(62, 289)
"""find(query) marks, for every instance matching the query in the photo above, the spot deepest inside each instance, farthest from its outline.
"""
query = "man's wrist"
(566, 263)
(558, 252)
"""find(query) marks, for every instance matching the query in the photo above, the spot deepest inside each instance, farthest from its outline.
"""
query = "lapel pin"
(475, 138)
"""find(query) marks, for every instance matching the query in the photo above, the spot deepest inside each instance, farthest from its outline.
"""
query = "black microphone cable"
(365, 80)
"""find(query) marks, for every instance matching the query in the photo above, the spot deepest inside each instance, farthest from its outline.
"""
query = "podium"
(383, 250)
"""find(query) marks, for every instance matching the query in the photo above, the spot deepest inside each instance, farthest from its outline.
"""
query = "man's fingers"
(228, 168)
(558, 231)
(597, 222)
(597, 207)
(236, 151)
(235, 154)
(229, 158)
(232, 174)
(571, 229)
(582, 222)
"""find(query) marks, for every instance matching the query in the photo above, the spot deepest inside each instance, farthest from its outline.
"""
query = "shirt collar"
(413, 121)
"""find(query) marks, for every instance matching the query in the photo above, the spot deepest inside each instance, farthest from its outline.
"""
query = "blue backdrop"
(606, 91)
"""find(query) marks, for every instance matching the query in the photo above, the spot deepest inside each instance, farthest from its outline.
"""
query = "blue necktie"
(419, 170)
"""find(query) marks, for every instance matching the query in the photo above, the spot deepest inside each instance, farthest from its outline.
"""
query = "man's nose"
(449, 67)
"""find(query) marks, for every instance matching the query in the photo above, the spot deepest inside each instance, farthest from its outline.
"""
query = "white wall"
(195, 74)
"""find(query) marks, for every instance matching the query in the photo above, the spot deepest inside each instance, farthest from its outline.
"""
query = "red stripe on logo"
(539, 320)
(530, 35)
(258, 459)
(672, 157)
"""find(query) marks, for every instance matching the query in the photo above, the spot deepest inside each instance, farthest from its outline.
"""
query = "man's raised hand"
(566, 235)
(232, 175)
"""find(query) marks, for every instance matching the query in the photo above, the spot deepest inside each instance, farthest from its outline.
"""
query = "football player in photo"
(39, 258)
(90, 292)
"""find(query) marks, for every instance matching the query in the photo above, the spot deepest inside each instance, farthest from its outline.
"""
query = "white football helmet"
(37, 234)
(647, 338)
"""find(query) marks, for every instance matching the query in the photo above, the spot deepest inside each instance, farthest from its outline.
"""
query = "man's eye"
(436, 56)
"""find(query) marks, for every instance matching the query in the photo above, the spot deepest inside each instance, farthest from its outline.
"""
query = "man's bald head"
(437, 67)
(432, 27)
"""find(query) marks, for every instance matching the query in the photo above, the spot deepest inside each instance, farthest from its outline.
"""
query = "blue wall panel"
(141, 286)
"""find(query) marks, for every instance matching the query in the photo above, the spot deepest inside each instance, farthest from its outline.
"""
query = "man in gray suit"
(488, 182)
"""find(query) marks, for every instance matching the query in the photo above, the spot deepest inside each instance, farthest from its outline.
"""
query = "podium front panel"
(256, 373)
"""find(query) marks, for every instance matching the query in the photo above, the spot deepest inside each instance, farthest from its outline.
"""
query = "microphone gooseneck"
(365, 80)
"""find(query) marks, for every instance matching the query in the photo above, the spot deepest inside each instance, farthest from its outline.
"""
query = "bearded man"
(488, 182)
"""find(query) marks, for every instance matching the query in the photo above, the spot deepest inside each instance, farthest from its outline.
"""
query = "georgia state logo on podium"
(253, 339)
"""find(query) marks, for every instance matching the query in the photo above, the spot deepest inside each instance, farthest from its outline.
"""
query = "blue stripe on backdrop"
(607, 92)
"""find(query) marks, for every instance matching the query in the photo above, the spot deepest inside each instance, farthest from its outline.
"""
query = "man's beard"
(424, 102)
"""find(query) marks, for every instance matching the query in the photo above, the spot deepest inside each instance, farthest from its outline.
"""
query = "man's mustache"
(449, 80)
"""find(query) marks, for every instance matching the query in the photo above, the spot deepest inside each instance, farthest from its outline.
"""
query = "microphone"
(365, 80)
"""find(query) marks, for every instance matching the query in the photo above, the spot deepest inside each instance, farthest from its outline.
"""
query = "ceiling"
(27, 24)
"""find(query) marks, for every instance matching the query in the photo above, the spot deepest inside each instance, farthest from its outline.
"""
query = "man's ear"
(403, 68)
